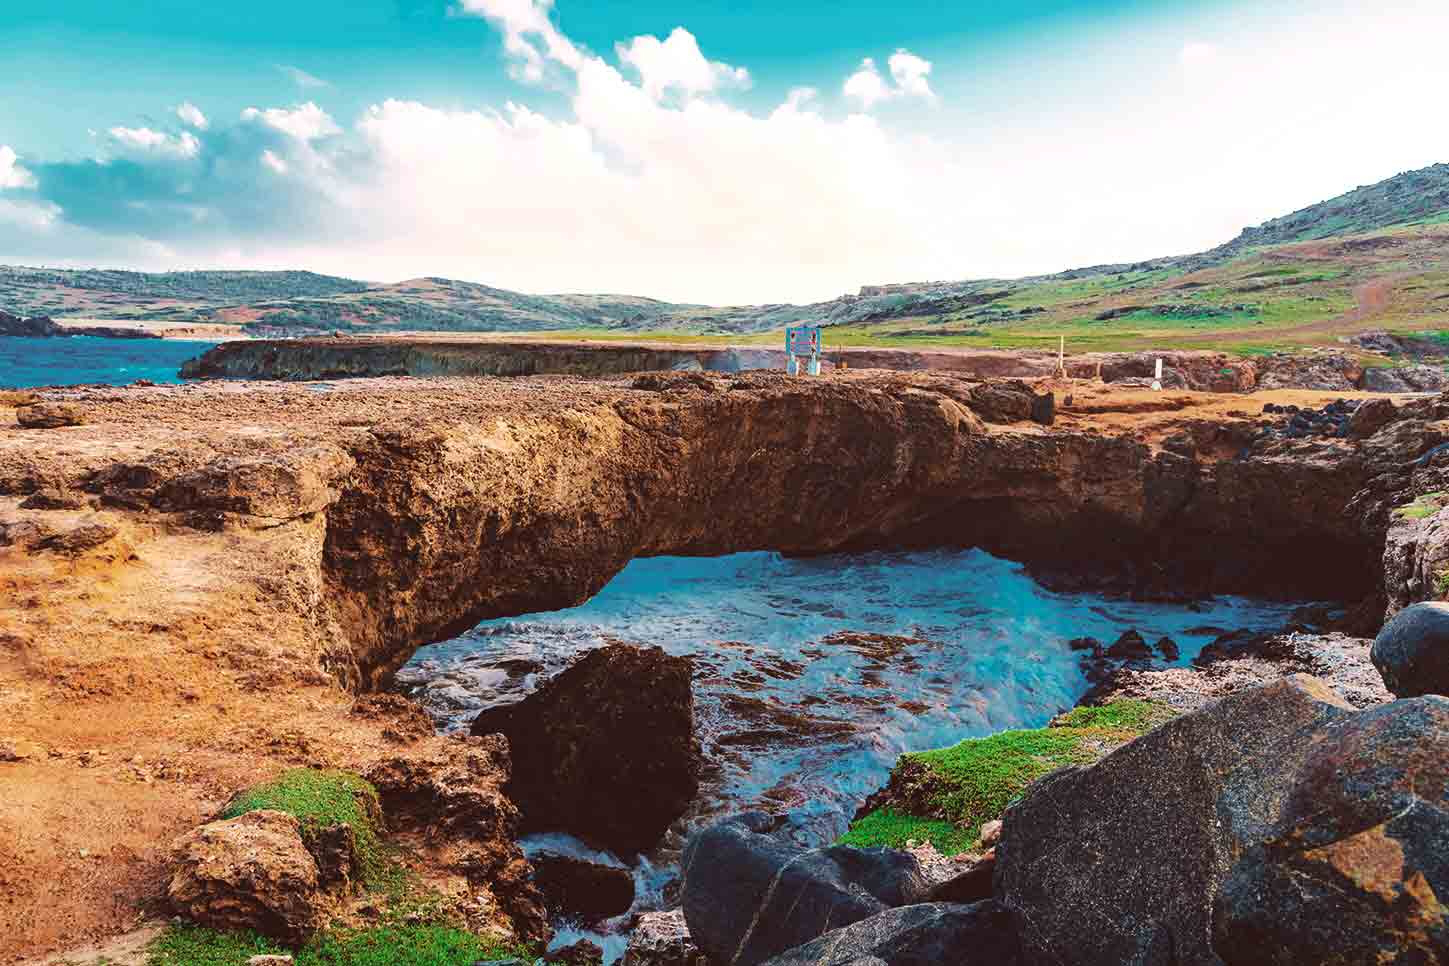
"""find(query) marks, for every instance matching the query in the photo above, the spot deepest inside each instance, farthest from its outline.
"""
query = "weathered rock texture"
(662, 939)
(1119, 862)
(1356, 868)
(965, 935)
(250, 872)
(446, 799)
(49, 415)
(749, 895)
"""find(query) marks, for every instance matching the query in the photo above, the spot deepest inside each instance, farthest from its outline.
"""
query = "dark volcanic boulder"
(1358, 865)
(580, 889)
(1119, 862)
(606, 749)
(1412, 651)
(749, 895)
(923, 935)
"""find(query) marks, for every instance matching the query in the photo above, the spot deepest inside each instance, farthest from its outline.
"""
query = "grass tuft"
(967, 785)
(320, 799)
(392, 945)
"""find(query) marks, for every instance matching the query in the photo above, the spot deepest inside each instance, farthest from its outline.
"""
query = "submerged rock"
(1412, 650)
(1356, 866)
(1136, 844)
(250, 872)
(964, 935)
(605, 750)
(749, 895)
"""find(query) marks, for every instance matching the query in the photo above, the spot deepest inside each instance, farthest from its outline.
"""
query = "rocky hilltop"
(204, 583)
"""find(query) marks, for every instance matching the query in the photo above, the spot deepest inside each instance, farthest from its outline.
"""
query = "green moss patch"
(391, 945)
(1422, 508)
(945, 796)
(888, 827)
(320, 799)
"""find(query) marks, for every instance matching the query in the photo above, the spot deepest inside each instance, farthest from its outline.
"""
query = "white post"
(1157, 379)
(793, 366)
(814, 367)
(1062, 357)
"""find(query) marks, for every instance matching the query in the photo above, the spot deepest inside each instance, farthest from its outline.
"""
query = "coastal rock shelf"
(345, 356)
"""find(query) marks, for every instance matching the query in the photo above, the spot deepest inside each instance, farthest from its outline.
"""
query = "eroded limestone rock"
(249, 872)
(49, 415)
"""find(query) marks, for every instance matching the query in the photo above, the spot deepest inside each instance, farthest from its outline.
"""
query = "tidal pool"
(812, 675)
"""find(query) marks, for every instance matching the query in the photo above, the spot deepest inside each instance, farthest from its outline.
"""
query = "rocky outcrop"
(250, 872)
(1412, 651)
(446, 799)
(1241, 661)
(965, 935)
(606, 749)
(1356, 866)
(749, 896)
(1137, 844)
(662, 939)
(49, 415)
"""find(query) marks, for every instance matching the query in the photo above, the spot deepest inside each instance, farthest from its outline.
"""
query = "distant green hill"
(1376, 257)
(1415, 197)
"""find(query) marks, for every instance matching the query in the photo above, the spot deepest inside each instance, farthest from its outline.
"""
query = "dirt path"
(1372, 297)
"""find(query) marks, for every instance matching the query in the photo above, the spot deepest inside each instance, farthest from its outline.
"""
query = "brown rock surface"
(50, 415)
(250, 872)
(444, 798)
(204, 646)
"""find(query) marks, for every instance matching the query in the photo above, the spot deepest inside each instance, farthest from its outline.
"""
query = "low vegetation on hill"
(1374, 258)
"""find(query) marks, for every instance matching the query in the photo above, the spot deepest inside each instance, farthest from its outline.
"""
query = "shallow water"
(800, 717)
(82, 360)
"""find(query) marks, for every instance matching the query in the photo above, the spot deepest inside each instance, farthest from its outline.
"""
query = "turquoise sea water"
(82, 360)
(797, 712)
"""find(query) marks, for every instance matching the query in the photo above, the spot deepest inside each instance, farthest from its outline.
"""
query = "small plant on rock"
(321, 799)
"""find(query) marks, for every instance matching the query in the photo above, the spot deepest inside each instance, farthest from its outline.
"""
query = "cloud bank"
(664, 175)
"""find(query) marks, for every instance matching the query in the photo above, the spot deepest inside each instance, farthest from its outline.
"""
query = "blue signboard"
(802, 340)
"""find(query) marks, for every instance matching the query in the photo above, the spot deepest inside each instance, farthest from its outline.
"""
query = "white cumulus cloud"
(305, 122)
(677, 64)
(909, 78)
(529, 35)
(191, 115)
(12, 175)
(274, 162)
(144, 140)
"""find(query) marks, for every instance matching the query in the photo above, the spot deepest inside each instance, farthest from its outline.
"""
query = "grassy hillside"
(1374, 258)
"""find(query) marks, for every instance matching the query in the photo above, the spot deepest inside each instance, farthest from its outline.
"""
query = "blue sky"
(744, 151)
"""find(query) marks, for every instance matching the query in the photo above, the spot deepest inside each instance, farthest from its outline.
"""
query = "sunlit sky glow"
(694, 151)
